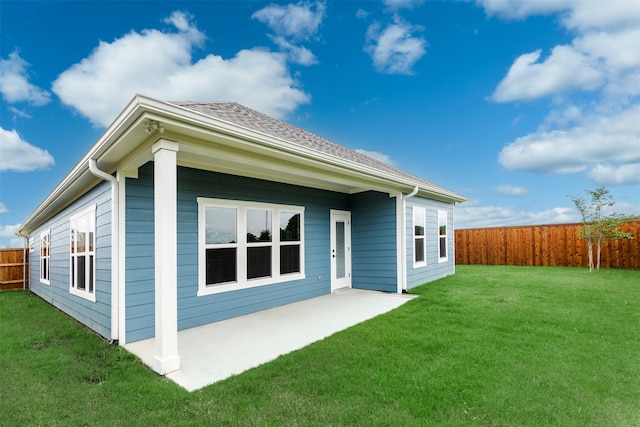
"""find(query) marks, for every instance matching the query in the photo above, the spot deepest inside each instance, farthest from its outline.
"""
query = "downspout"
(24, 263)
(115, 243)
(402, 283)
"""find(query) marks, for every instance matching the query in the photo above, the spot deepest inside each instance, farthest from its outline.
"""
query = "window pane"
(418, 222)
(289, 227)
(443, 230)
(258, 262)
(81, 270)
(221, 265)
(73, 240)
(419, 249)
(82, 241)
(258, 225)
(73, 272)
(443, 247)
(290, 259)
(220, 224)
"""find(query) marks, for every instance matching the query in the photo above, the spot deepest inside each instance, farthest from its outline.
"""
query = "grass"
(491, 346)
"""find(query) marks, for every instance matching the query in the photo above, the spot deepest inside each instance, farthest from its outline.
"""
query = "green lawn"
(491, 346)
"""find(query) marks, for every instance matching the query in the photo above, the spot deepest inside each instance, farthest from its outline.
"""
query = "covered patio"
(216, 351)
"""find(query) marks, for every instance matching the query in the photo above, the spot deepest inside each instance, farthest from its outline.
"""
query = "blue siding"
(373, 242)
(194, 310)
(434, 269)
(96, 316)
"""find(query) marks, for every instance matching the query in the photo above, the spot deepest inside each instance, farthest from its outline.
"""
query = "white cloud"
(565, 69)
(402, 4)
(14, 82)
(381, 157)
(159, 64)
(18, 155)
(8, 238)
(475, 215)
(607, 174)
(574, 14)
(3, 208)
(395, 49)
(510, 190)
(594, 126)
(297, 54)
(598, 139)
(362, 14)
(299, 21)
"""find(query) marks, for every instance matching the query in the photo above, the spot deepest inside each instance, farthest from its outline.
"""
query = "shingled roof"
(251, 119)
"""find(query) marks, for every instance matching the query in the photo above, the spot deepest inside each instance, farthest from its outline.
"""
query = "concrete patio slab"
(213, 352)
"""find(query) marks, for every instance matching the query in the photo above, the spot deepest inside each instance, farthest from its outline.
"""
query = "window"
(442, 236)
(419, 241)
(82, 251)
(244, 244)
(45, 253)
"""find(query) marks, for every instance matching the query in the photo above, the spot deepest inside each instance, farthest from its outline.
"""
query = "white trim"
(441, 214)
(401, 269)
(122, 209)
(242, 282)
(165, 193)
(47, 233)
(90, 215)
(423, 211)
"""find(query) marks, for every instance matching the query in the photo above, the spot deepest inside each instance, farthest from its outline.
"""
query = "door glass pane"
(221, 265)
(340, 250)
(258, 225)
(258, 262)
(220, 224)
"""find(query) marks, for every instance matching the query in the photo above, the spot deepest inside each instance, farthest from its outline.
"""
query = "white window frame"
(416, 211)
(88, 215)
(242, 282)
(45, 257)
(443, 220)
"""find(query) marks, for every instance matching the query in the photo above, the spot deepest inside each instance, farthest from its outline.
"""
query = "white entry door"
(340, 249)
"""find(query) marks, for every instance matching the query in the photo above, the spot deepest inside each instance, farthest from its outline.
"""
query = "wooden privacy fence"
(544, 245)
(13, 270)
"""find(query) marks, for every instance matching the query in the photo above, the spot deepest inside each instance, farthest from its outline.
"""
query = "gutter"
(115, 244)
(401, 208)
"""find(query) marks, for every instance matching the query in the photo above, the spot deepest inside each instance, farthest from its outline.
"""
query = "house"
(187, 213)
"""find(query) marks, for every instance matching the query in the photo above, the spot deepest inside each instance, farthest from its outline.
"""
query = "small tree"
(597, 227)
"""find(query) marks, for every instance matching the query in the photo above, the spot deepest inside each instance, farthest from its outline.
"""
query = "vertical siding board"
(552, 245)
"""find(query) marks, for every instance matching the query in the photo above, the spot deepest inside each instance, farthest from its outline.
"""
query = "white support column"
(166, 256)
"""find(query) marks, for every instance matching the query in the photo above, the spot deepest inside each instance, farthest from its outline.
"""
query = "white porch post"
(166, 258)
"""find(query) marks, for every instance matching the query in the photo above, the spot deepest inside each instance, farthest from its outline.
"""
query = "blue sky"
(516, 105)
